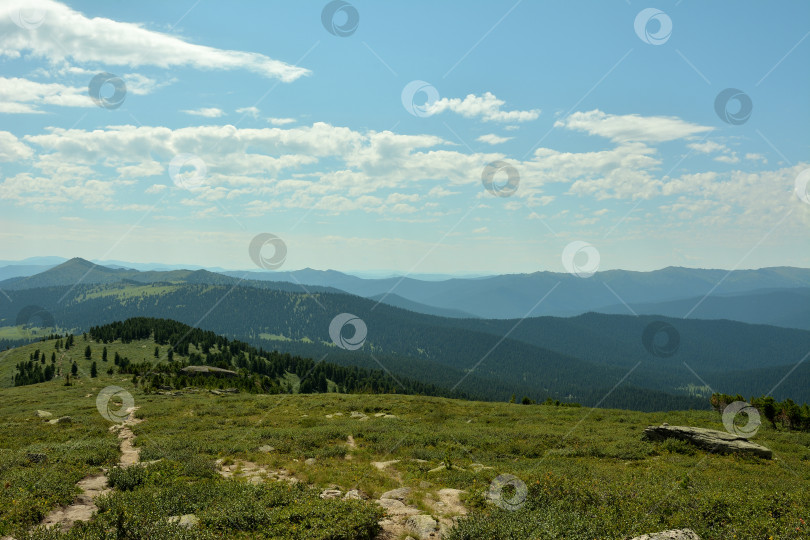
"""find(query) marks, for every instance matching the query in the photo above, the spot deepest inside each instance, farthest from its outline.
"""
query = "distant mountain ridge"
(775, 296)
(580, 358)
(519, 295)
(789, 308)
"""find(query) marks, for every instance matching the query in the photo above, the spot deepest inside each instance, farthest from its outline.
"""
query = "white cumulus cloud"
(486, 107)
(631, 127)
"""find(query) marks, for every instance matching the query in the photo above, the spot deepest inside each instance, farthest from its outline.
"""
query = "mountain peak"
(77, 261)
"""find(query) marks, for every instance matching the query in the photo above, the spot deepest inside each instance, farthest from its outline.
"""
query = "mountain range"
(777, 296)
(591, 358)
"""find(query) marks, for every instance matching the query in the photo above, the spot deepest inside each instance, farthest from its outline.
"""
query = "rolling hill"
(779, 307)
(578, 359)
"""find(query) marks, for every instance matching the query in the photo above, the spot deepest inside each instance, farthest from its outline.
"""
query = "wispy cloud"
(281, 121)
(632, 127)
(207, 112)
(491, 138)
(70, 35)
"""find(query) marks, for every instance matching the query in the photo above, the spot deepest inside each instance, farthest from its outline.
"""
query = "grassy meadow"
(587, 473)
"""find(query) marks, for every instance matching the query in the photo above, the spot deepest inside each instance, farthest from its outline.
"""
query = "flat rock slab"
(675, 534)
(395, 508)
(83, 506)
(422, 525)
(710, 440)
(399, 494)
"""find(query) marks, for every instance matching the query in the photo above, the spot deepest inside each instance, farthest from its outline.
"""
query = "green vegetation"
(588, 473)
(787, 413)
(576, 359)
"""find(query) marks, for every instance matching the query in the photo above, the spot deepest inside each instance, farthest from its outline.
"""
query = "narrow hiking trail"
(92, 486)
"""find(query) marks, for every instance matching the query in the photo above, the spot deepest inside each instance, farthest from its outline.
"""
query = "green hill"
(229, 460)
(577, 359)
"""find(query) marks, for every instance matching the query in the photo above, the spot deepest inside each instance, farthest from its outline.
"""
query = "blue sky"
(610, 125)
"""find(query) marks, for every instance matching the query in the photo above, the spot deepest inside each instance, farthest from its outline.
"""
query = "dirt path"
(92, 486)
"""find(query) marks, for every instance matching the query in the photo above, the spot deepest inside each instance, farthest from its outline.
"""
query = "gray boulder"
(674, 534)
(186, 520)
(399, 494)
(710, 440)
(209, 370)
(422, 525)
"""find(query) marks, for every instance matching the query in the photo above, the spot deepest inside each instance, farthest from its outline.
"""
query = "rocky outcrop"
(710, 440)
(675, 534)
(209, 370)
(186, 520)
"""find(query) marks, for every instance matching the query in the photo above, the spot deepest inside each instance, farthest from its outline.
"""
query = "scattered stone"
(380, 465)
(399, 494)
(37, 458)
(61, 420)
(82, 508)
(44, 414)
(355, 494)
(358, 414)
(331, 494)
(422, 525)
(394, 507)
(186, 520)
(310, 461)
(444, 467)
(379, 414)
(477, 467)
(450, 501)
(674, 534)
(389, 416)
(266, 449)
(710, 440)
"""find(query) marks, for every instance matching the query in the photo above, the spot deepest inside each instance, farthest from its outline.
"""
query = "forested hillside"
(178, 346)
(578, 359)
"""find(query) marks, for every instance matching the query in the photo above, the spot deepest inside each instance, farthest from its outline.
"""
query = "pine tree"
(157, 351)
(94, 370)
(74, 369)
(104, 354)
(87, 352)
